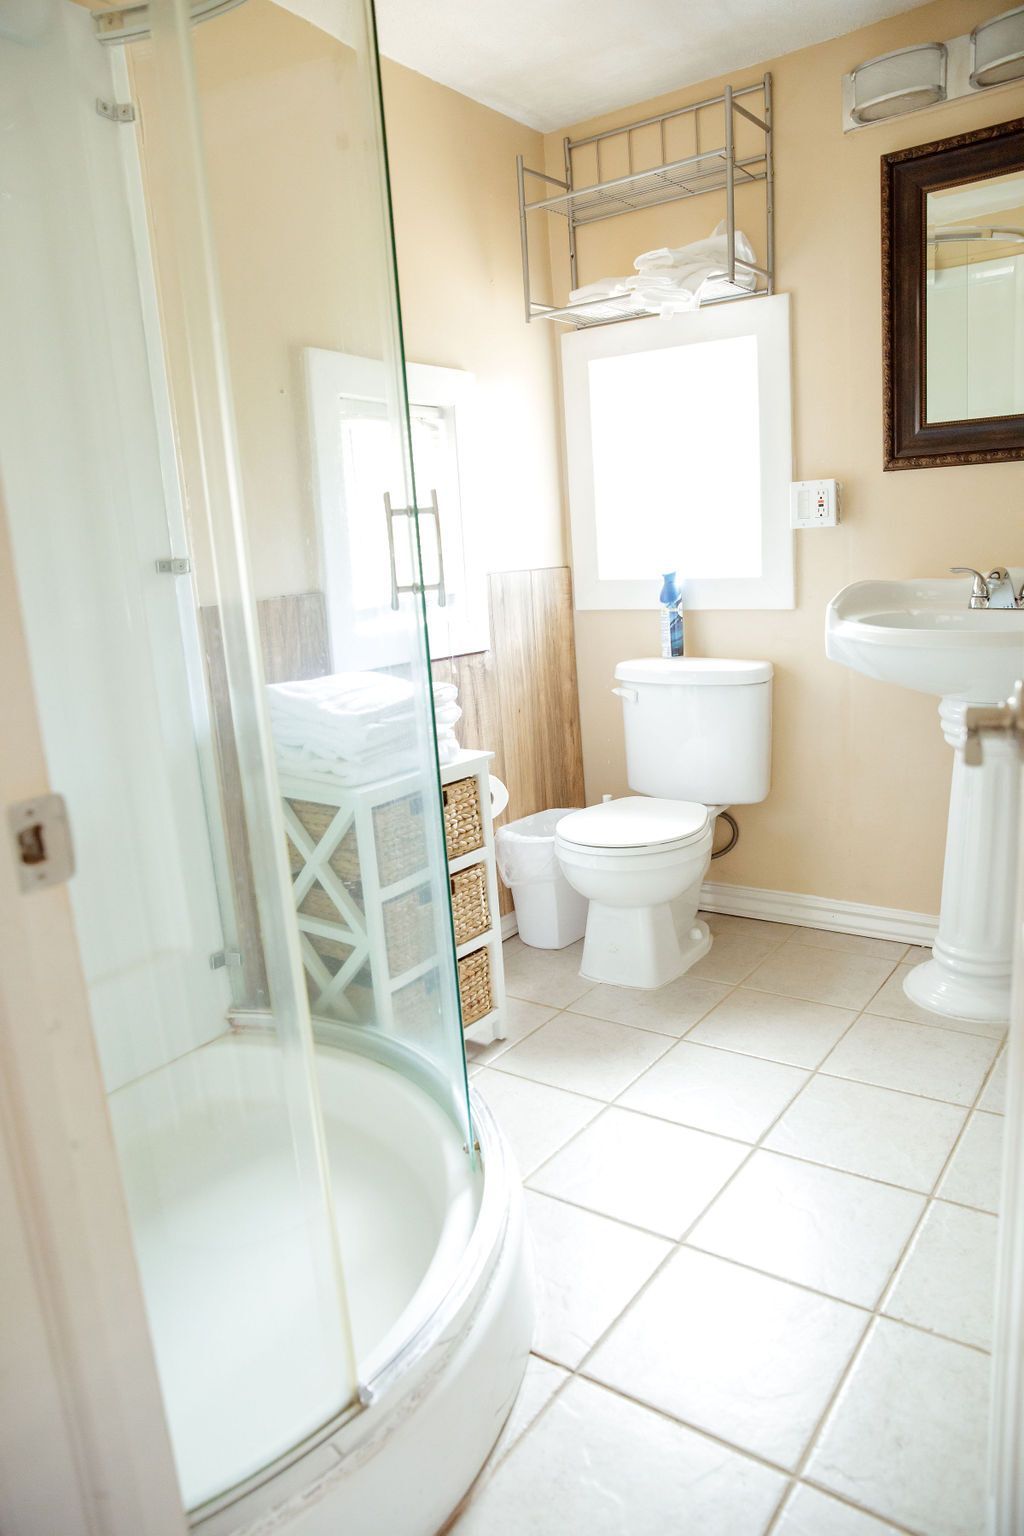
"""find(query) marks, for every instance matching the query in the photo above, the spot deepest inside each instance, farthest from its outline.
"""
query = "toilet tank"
(697, 728)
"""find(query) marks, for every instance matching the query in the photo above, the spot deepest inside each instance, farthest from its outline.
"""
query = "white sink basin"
(922, 635)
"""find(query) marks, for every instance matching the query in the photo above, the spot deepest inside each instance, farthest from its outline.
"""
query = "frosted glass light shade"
(999, 48)
(899, 82)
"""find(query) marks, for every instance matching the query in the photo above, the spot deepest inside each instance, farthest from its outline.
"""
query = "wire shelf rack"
(714, 169)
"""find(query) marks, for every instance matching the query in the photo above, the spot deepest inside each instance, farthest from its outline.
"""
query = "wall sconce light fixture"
(899, 82)
(998, 47)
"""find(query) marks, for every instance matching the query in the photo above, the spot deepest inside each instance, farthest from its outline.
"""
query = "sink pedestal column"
(968, 976)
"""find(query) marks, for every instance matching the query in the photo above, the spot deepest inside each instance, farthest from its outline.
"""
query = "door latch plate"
(41, 834)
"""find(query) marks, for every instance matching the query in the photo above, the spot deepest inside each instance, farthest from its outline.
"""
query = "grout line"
(795, 1476)
(861, 1346)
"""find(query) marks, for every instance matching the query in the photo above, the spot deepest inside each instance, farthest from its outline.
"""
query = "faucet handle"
(980, 588)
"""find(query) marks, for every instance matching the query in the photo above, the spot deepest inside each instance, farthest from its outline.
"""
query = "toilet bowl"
(640, 863)
(698, 738)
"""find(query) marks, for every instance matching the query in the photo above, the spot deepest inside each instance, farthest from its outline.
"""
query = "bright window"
(678, 439)
(354, 464)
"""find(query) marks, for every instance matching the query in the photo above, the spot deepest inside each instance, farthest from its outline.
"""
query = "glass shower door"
(294, 239)
(245, 900)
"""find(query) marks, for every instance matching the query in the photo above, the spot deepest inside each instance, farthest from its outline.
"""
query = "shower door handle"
(437, 586)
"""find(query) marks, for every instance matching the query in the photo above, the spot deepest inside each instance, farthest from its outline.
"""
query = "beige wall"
(460, 274)
(861, 774)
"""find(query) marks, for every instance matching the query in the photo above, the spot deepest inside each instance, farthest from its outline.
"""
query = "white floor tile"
(537, 1120)
(715, 1090)
(521, 1019)
(907, 1436)
(735, 952)
(894, 1003)
(832, 1231)
(548, 976)
(585, 1055)
(994, 1097)
(876, 1132)
(914, 1058)
(587, 1269)
(778, 1028)
(597, 1465)
(810, 1513)
(974, 1175)
(849, 944)
(748, 1358)
(670, 1010)
(821, 975)
(642, 1170)
(541, 1382)
(947, 1281)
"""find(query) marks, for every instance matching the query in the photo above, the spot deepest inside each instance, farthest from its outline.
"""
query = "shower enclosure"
(326, 1235)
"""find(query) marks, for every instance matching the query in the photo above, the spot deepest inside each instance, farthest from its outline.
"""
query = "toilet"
(698, 739)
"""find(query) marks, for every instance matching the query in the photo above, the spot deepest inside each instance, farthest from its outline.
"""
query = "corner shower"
(325, 1228)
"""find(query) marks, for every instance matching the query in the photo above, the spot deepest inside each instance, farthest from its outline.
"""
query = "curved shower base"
(435, 1276)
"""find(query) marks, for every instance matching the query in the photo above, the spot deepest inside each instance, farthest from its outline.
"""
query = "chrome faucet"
(996, 590)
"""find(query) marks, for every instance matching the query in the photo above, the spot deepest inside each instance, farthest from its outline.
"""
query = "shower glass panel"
(261, 895)
(299, 232)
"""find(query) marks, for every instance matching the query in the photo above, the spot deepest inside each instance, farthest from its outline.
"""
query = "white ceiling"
(550, 63)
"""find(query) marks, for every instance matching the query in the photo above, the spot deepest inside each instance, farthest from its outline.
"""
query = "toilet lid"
(635, 822)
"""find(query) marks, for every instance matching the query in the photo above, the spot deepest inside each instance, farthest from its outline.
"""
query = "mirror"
(974, 300)
(953, 300)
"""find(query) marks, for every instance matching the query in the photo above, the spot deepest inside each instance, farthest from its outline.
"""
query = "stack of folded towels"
(671, 281)
(355, 727)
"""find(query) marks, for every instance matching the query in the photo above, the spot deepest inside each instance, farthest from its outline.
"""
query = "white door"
(91, 509)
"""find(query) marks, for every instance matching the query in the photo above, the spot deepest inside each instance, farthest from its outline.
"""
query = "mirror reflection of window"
(974, 300)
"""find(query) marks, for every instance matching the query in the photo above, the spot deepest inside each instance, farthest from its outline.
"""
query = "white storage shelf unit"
(368, 930)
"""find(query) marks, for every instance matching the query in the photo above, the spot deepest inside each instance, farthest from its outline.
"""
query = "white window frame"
(462, 626)
(767, 319)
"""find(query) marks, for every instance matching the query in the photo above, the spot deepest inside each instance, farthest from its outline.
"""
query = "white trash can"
(549, 912)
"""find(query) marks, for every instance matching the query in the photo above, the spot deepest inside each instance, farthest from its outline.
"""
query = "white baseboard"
(509, 926)
(820, 912)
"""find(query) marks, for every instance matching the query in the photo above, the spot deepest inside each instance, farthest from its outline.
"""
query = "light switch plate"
(814, 503)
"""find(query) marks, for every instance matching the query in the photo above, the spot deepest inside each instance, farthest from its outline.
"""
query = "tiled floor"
(762, 1203)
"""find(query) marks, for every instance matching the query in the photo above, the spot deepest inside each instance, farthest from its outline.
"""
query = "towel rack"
(668, 180)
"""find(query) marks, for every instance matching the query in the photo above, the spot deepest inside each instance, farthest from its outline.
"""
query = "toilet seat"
(636, 824)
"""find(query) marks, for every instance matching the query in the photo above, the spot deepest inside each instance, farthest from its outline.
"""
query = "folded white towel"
(354, 726)
(714, 251)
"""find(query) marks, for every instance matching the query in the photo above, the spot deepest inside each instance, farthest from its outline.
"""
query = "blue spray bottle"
(671, 600)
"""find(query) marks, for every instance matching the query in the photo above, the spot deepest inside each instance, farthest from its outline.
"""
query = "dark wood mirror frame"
(910, 442)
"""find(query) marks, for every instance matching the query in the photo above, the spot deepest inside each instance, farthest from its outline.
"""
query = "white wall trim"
(820, 912)
(509, 925)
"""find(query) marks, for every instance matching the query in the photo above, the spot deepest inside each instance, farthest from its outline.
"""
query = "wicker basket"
(463, 824)
(399, 837)
(475, 986)
(470, 912)
(316, 818)
(409, 930)
(416, 1006)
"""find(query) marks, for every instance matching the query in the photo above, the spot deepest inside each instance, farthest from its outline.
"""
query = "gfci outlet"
(814, 503)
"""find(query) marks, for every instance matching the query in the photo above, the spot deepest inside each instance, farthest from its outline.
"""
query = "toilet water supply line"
(734, 839)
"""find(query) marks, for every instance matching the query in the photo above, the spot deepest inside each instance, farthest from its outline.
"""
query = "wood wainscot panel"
(294, 643)
(520, 699)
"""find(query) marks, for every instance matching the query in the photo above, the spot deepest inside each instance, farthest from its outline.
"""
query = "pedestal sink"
(923, 635)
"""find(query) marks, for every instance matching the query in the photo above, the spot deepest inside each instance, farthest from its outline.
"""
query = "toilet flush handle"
(627, 693)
